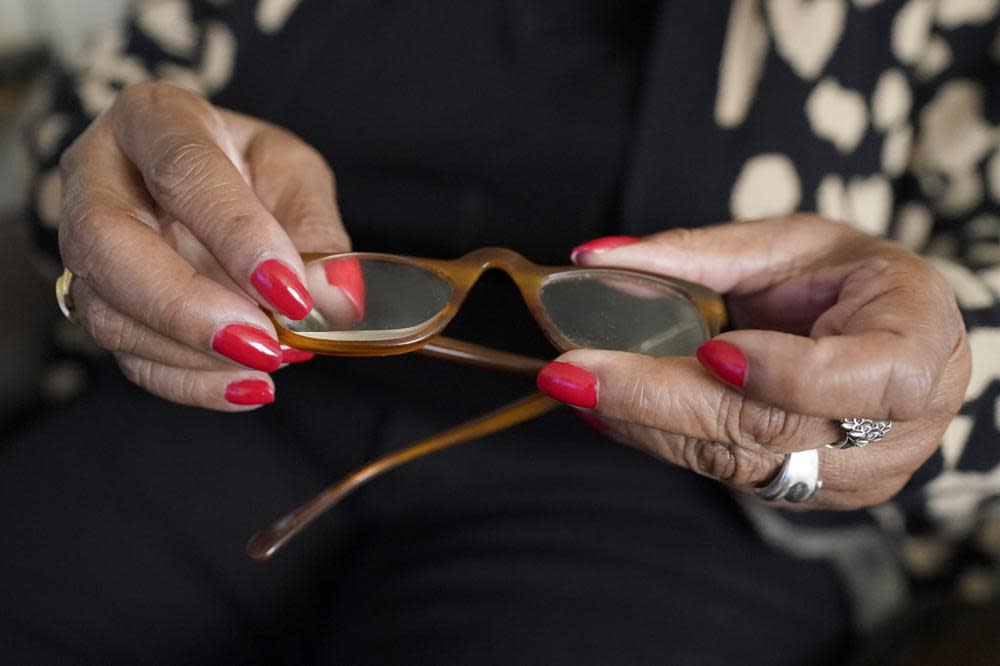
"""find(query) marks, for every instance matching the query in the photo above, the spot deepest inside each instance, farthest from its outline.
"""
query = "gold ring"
(64, 295)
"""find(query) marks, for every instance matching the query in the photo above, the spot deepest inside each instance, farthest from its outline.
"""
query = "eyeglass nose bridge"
(524, 273)
(501, 258)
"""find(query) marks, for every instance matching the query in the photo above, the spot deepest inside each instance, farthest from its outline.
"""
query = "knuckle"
(730, 418)
(179, 167)
(184, 387)
(729, 464)
(136, 370)
(712, 459)
(236, 237)
(908, 388)
(307, 154)
(188, 388)
(770, 426)
(104, 324)
(84, 239)
(173, 311)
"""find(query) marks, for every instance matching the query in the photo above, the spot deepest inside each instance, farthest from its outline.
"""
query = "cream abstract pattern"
(168, 23)
(936, 58)
(896, 150)
(954, 13)
(913, 225)
(953, 139)
(272, 14)
(837, 114)
(963, 191)
(106, 70)
(831, 198)
(993, 171)
(891, 100)
(954, 439)
(49, 133)
(864, 202)
(911, 30)
(971, 293)
(768, 185)
(806, 32)
(742, 62)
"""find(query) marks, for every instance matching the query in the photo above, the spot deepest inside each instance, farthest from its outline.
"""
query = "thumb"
(738, 257)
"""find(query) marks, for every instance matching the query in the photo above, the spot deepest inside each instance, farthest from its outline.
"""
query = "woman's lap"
(125, 518)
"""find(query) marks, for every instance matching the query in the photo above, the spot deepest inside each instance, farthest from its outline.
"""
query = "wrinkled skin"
(833, 323)
(168, 205)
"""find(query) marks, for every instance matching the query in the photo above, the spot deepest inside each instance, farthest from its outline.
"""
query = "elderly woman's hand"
(179, 219)
(831, 323)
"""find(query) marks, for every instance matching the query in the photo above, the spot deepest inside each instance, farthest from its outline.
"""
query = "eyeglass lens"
(370, 299)
(620, 311)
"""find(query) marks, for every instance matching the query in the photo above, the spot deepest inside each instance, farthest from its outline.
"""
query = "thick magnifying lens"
(621, 311)
(368, 299)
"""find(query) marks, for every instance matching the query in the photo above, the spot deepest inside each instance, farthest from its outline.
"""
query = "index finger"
(187, 159)
(675, 395)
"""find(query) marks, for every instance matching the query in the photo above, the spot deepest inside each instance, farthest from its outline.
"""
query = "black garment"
(545, 544)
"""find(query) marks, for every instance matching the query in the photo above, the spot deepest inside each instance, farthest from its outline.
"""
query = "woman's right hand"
(179, 220)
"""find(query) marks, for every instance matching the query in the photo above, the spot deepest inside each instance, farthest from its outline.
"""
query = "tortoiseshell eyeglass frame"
(462, 274)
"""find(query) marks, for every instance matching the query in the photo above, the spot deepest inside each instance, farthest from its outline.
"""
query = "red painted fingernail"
(289, 355)
(591, 420)
(281, 287)
(248, 346)
(346, 275)
(725, 361)
(569, 383)
(601, 245)
(250, 392)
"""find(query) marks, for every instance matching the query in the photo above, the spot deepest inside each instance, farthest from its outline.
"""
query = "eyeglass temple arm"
(485, 357)
(263, 545)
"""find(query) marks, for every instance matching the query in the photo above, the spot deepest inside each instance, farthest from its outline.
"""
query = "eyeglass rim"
(462, 273)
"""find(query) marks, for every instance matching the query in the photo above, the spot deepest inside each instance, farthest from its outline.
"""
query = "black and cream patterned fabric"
(881, 113)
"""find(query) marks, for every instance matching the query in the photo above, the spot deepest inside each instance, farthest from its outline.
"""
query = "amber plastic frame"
(462, 273)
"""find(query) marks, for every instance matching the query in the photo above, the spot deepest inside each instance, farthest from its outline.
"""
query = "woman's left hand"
(831, 323)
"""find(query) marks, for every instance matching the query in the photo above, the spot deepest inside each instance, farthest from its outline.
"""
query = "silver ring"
(861, 432)
(797, 480)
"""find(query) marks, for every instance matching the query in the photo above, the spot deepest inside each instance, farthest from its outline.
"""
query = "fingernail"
(248, 346)
(250, 392)
(290, 355)
(725, 361)
(346, 275)
(569, 383)
(281, 287)
(599, 245)
(591, 420)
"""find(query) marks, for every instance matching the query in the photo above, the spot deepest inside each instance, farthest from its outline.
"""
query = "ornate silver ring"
(861, 432)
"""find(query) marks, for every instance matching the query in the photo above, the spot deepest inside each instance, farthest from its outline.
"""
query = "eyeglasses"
(370, 304)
